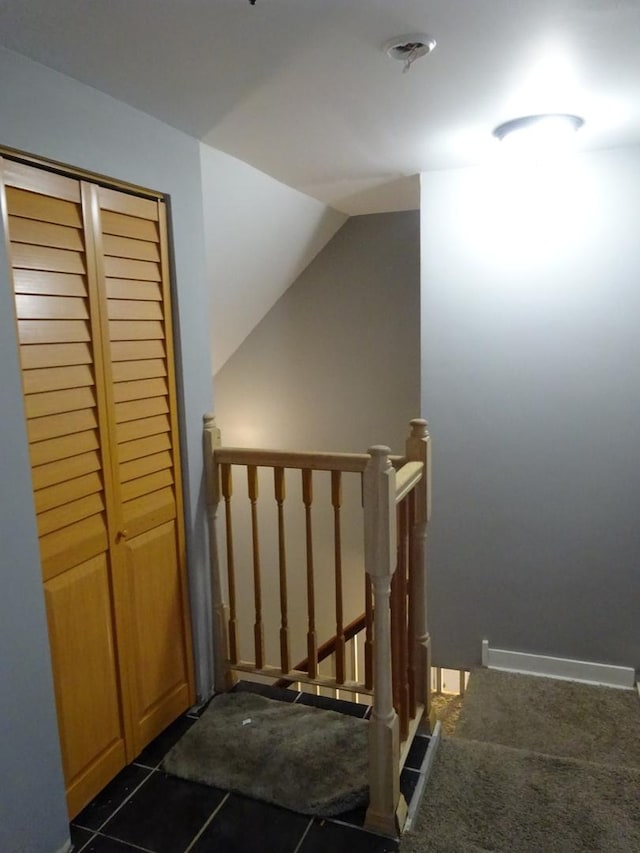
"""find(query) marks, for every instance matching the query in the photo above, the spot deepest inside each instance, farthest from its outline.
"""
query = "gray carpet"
(543, 797)
(302, 758)
(557, 717)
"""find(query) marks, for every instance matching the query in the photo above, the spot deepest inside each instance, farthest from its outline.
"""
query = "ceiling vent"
(408, 48)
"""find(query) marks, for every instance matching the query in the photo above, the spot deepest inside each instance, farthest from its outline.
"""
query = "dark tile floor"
(144, 809)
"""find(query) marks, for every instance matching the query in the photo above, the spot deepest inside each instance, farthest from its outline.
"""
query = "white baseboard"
(562, 668)
(65, 847)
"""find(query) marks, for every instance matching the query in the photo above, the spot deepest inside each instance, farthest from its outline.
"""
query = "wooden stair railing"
(396, 503)
(333, 646)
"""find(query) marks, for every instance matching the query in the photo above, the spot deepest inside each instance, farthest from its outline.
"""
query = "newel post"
(387, 808)
(418, 449)
(212, 440)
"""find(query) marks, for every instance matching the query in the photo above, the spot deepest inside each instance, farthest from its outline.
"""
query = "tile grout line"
(128, 843)
(126, 800)
(93, 834)
(208, 821)
(304, 835)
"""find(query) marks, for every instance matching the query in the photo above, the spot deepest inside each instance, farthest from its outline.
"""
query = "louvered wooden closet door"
(90, 275)
(56, 305)
(132, 251)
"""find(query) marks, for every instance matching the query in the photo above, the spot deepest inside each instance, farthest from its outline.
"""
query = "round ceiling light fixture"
(547, 127)
(409, 48)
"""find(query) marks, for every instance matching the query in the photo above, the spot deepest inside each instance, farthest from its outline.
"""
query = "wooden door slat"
(126, 247)
(57, 378)
(143, 447)
(22, 230)
(70, 513)
(140, 389)
(56, 402)
(30, 307)
(131, 430)
(45, 283)
(53, 331)
(146, 485)
(54, 449)
(40, 181)
(135, 330)
(128, 371)
(137, 350)
(124, 288)
(67, 491)
(137, 409)
(65, 469)
(133, 205)
(38, 356)
(125, 268)
(130, 309)
(45, 258)
(147, 465)
(125, 225)
(67, 423)
(42, 208)
(63, 447)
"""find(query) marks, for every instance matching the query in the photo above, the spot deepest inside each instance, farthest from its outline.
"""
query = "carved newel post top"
(379, 454)
(208, 419)
(419, 428)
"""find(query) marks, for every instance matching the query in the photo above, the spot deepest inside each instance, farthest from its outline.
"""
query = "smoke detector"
(408, 48)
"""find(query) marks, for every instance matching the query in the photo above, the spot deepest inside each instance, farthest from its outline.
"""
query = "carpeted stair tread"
(301, 758)
(486, 797)
(564, 718)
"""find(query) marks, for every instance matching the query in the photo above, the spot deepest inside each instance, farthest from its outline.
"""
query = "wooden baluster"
(279, 489)
(401, 580)
(387, 808)
(395, 636)
(336, 500)
(418, 448)
(368, 633)
(258, 628)
(411, 631)
(227, 492)
(312, 641)
(223, 678)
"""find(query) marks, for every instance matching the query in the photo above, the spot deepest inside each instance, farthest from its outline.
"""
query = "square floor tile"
(101, 844)
(408, 782)
(152, 755)
(354, 709)
(417, 752)
(165, 814)
(79, 837)
(354, 817)
(279, 693)
(248, 826)
(110, 798)
(326, 837)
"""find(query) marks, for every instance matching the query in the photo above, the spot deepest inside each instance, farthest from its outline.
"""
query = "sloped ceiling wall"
(260, 235)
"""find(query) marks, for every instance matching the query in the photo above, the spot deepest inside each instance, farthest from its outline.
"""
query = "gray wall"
(47, 114)
(531, 370)
(333, 366)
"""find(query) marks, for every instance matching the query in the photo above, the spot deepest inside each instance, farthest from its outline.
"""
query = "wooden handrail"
(314, 461)
(407, 478)
(326, 649)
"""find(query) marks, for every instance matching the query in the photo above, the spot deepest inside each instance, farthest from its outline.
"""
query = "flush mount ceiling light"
(408, 48)
(548, 126)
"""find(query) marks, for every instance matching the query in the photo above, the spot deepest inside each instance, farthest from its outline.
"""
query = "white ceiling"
(302, 90)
